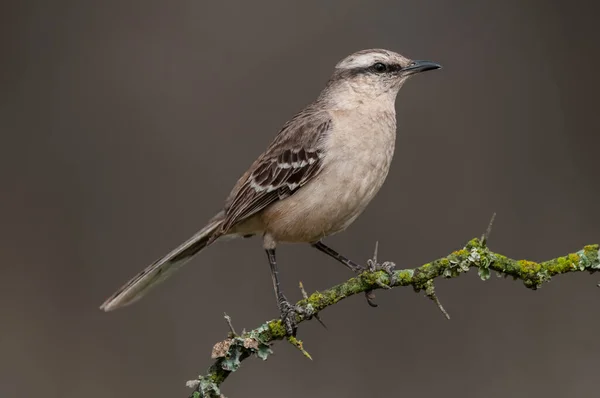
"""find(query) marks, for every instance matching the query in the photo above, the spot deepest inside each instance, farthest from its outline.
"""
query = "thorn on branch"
(370, 294)
(374, 266)
(373, 261)
(430, 292)
(298, 344)
(232, 330)
(305, 296)
(488, 231)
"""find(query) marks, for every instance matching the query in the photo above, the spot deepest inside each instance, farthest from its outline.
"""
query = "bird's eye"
(379, 67)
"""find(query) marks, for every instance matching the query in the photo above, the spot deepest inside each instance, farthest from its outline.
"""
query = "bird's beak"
(419, 66)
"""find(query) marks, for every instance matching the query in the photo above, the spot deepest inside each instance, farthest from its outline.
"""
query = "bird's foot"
(288, 313)
(374, 266)
(388, 267)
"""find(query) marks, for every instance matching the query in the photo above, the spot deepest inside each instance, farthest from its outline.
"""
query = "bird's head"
(376, 72)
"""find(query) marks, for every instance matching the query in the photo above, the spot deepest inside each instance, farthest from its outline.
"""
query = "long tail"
(162, 268)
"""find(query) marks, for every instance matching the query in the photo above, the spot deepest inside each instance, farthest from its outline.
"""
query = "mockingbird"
(317, 176)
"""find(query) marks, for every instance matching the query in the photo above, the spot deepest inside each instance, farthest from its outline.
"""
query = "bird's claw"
(388, 268)
(370, 296)
(288, 316)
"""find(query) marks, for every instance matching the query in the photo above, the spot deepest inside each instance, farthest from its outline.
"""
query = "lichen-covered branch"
(229, 353)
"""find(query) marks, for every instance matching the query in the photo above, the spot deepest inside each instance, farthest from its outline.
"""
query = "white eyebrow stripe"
(364, 60)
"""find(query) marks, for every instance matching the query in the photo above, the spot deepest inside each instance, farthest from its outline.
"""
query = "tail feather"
(164, 267)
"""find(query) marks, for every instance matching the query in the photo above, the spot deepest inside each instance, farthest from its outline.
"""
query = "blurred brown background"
(125, 123)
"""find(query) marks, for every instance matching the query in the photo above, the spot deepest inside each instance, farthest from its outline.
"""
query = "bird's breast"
(357, 156)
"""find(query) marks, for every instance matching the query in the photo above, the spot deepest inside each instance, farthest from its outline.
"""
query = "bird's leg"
(287, 310)
(372, 266)
(332, 253)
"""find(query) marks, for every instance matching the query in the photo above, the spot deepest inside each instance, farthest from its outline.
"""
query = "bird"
(314, 179)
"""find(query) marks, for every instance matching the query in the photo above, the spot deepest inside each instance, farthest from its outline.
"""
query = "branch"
(229, 353)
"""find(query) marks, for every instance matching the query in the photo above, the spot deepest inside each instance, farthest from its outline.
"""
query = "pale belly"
(330, 203)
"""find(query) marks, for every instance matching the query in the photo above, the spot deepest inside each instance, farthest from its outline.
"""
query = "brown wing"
(293, 159)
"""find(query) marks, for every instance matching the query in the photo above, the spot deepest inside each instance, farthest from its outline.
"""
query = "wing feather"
(292, 160)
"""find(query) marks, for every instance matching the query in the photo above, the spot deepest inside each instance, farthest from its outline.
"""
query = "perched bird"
(317, 176)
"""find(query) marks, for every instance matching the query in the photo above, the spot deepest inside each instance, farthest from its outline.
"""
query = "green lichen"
(276, 329)
(484, 273)
(564, 264)
(371, 278)
(315, 299)
(206, 388)
(460, 253)
(263, 351)
(475, 242)
(589, 257)
(232, 361)
(534, 274)
(299, 345)
(576, 262)
(529, 267)
(405, 276)
(556, 267)
(321, 300)
(257, 333)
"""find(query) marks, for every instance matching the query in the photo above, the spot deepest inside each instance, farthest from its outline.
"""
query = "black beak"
(419, 66)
